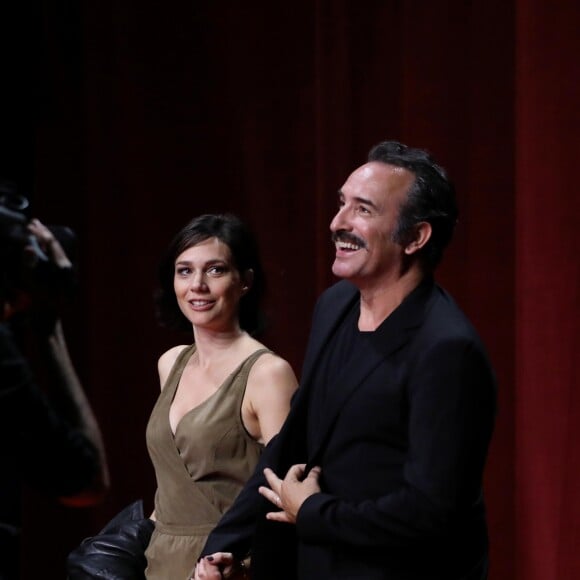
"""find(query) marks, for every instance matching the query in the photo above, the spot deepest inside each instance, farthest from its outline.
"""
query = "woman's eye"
(216, 270)
(182, 271)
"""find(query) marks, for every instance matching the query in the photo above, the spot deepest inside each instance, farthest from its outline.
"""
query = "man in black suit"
(377, 472)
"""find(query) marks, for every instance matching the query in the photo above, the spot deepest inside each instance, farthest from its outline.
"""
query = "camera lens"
(13, 201)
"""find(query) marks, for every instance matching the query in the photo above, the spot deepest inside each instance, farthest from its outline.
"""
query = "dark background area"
(125, 119)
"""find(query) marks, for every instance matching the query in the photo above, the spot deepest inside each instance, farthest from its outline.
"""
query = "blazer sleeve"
(235, 530)
(451, 400)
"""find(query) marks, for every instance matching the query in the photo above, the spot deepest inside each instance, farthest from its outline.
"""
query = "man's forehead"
(379, 177)
(378, 169)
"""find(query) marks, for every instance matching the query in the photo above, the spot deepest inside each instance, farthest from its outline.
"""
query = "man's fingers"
(314, 473)
(273, 480)
(296, 472)
(270, 495)
(279, 517)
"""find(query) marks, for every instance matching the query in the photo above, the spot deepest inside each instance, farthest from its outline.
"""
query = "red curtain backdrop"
(128, 118)
(547, 409)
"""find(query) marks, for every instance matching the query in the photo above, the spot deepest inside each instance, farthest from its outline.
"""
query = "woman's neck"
(213, 345)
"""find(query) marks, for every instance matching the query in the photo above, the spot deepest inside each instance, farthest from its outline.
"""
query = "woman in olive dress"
(223, 397)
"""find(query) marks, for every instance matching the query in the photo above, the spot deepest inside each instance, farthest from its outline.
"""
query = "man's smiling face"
(363, 227)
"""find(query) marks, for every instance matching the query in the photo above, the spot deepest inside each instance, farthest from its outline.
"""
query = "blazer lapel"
(396, 331)
(331, 314)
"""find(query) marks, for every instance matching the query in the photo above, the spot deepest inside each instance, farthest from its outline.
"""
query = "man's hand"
(289, 493)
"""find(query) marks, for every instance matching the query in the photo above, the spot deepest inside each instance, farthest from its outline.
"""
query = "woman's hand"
(215, 567)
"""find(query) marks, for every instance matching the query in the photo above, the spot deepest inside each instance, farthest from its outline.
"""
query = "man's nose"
(339, 221)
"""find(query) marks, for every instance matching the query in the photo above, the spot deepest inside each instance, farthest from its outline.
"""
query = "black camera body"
(15, 237)
(13, 219)
(24, 267)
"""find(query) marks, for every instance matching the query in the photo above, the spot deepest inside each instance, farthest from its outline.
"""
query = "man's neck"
(379, 302)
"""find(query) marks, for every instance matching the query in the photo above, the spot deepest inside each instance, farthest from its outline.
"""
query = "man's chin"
(340, 270)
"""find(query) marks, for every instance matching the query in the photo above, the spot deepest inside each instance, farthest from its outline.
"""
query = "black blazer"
(402, 445)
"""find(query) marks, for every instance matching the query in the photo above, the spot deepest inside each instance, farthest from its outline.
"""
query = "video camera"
(13, 222)
(24, 267)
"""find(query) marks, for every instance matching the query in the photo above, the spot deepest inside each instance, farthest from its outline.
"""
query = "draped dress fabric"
(200, 470)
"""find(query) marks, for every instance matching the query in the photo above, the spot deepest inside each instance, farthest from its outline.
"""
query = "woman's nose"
(198, 282)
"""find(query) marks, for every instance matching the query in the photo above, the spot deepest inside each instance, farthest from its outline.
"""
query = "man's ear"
(423, 232)
(247, 280)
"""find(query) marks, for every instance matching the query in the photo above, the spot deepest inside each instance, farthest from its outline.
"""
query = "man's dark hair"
(430, 199)
(230, 230)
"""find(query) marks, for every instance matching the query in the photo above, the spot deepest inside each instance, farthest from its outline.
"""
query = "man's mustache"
(342, 236)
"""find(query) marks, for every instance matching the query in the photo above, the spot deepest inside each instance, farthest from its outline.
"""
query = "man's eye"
(363, 209)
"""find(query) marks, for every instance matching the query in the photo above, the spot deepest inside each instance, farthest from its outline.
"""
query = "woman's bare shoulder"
(167, 360)
(272, 369)
(271, 384)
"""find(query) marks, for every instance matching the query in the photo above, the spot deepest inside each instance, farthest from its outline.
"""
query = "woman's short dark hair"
(431, 198)
(230, 230)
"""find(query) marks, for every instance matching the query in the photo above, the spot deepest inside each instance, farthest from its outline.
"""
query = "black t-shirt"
(346, 343)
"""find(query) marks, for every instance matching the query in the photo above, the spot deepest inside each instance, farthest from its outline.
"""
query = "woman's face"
(208, 287)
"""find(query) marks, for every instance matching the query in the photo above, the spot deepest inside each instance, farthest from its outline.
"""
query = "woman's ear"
(247, 280)
(423, 232)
